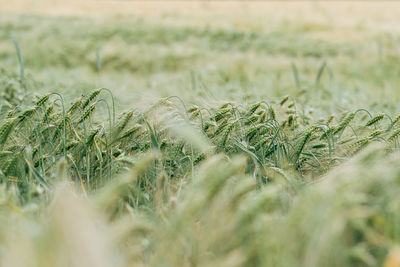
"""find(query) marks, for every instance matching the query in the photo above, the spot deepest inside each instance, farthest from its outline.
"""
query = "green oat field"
(199, 133)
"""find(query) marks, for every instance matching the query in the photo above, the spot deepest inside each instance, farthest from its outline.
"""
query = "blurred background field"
(216, 50)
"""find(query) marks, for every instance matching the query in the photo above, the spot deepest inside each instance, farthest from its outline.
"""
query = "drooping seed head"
(253, 109)
(394, 135)
(344, 123)
(90, 98)
(330, 119)
(376, 133)
(226, 134)
(396, 120)
(75, 106)
(26, 114)
(374, 120)
(360, 143)
(87, 113)
(284, 100)
(272, 113)
(6, 129)
(42, 100)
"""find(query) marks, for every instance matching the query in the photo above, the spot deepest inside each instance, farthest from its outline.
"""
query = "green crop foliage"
(201, 140)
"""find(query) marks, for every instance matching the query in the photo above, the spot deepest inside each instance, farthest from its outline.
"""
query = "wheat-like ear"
(122, 124)
(252, 119)
(327, 133)
(130, 132)
(342, 116)
(253, 109)
(376, 133)
(42, 100)
(27, 114)
(222, 113)
(69, 145)
(225, 105)
(344, 123)
(263, 141)
(199, 158)
(330, 119)
(374, 120)
(359, 144)
(220, 128)
(263, 116)
(192, 109)
(226, 134)
(250, 133)
(87, 113)
(48, 112)
(195, 114)
(284, 100)
(11, 113)
(6, 129)
(12, 166)
(272, 113)
(290, 120)
(396, 120)
(74, 106)
(208, 125)
(60, 127)
(319, 146)
(394, 135)
(301, 146)
(90, 98)
(92, 135)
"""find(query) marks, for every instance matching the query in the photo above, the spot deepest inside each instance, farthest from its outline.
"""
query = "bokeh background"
(237, 50)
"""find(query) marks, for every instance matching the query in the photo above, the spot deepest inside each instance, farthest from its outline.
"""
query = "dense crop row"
(231, 185)
(276, 137)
